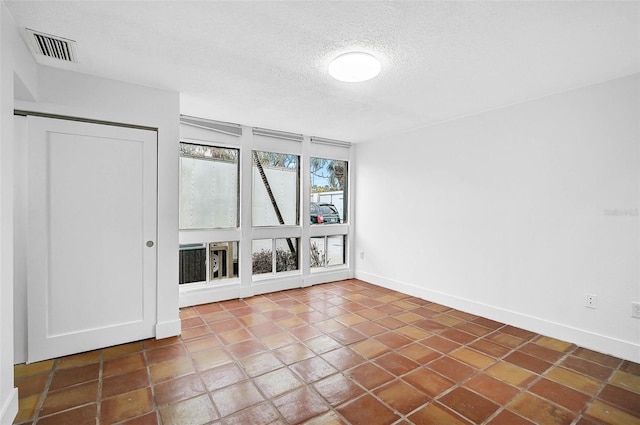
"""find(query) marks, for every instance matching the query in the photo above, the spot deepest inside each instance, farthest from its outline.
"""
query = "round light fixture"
(354, 67)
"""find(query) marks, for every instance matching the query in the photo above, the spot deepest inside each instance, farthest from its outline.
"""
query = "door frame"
(107, 335)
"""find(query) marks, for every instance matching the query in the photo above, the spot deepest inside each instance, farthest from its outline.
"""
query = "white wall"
(8, 394)
(78, 95)
(514, 214)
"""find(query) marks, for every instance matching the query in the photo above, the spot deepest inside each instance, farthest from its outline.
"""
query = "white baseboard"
(9, 408)
(206, 294)
(327, 276)
(196, 294)
(167, 329)
(601, 343)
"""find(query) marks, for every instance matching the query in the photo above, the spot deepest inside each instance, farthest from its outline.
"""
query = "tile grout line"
(310, 386)
(595, 395)
(45, 392)
(477, 371)
(305, 384)
(199, 372)
(156, 408)
(100, 381)
(308, 298)
(479, 337)
(603, 382)
(525, 389)
(401, 416)
(236, 362)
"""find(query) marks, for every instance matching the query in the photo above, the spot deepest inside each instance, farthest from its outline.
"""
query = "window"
(328, 194)
(243, 192)
(327, 251)
(193, 263)
(265, 259)
(275, 189)
(222, 259)
(286, 254)
(209, 178)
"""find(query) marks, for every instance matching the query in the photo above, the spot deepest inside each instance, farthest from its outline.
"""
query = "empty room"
(319, 212)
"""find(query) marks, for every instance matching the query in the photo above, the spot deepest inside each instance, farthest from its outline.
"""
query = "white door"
(91, 236)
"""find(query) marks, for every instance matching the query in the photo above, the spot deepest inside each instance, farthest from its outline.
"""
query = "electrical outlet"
(590, 300)
(635, 310)
(362, 255)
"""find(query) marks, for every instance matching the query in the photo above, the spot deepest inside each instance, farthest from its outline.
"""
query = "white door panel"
(92, 208)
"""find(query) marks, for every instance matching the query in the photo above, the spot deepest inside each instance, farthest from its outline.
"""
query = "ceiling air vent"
(53, 46)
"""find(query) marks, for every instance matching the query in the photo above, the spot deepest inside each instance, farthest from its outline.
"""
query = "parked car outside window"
(324, 214)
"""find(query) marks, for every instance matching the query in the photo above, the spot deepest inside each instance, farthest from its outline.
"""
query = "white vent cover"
(52, 46)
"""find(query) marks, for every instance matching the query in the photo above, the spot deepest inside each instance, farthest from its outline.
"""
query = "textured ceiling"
(264, 63)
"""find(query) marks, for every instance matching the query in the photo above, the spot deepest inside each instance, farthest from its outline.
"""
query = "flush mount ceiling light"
(354, 67)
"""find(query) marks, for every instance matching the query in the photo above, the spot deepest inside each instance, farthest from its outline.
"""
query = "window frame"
(247, 139)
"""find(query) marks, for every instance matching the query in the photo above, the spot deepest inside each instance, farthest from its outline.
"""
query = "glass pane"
(276, 186)
(335, 250)
(286, 254)
(223, 260)
(209, 187)
(193, 263)
(328, 191)
(262, 256)
(317, 257)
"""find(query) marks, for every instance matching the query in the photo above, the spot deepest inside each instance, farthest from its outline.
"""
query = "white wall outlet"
(590, 301)
(362, 255)
(635, 310)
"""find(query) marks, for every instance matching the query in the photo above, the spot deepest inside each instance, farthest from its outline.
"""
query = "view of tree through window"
(275, 189)
(328, 191)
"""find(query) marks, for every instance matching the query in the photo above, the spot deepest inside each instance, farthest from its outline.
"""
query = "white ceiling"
(264, 63)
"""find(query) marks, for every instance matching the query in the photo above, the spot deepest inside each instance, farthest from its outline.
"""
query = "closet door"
(92, 208)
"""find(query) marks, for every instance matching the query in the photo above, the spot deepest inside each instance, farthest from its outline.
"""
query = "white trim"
(217, 126)
(276, 283)
(318, 230)
(9, 408)
(330, 142)
(208, 293)
(167, 329)
(277, 134)
(192, 236)
(619, 348)
(274, 232)
(326, 276)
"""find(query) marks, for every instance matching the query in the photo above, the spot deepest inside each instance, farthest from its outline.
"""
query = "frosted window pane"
(208, 187)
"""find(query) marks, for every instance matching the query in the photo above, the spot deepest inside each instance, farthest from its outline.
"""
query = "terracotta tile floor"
(340, 353)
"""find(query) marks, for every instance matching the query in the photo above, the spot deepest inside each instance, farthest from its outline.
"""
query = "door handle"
(149, 244)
